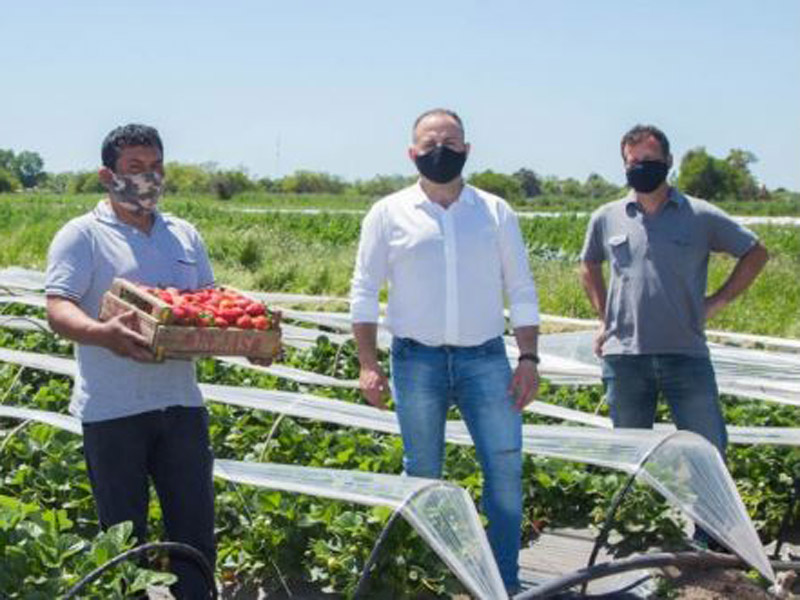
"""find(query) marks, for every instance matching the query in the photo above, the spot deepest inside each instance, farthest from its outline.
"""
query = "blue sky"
(544, 85)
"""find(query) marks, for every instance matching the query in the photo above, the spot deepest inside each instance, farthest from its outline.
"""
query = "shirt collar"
(467, 196)
(104, 213)
(674, 197)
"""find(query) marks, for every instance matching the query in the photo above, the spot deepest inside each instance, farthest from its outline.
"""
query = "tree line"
(699, 174)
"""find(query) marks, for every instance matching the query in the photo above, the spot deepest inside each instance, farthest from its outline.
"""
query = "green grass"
(314, 254)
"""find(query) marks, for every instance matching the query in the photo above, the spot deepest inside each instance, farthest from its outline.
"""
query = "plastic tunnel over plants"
(682, 466)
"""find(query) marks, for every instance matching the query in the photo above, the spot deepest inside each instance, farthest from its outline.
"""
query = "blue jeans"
(632, 383)
(426, 380)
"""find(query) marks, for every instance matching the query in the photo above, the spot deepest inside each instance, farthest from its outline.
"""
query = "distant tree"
(382, 185)
(531, 186)
(742, 182)
(180, 178)
(226, 184)
(551, 186)
(703, 175)
(26, 167)
(85, 182)
(7, 160)
(8, 182)
(29, 168)
(505, 186)
(57, 183)
(597, 187)
(572, 188)
(312, 182)
(268, 185)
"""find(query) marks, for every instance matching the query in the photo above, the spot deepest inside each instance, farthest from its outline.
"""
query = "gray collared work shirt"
(659, 271)
(84, 257)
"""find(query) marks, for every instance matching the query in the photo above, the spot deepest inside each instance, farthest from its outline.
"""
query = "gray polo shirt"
(84, 257)
(659, 271)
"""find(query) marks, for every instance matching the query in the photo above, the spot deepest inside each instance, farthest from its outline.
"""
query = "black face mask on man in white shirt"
(441, 164)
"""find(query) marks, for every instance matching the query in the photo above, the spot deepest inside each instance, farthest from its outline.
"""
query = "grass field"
(314, 254)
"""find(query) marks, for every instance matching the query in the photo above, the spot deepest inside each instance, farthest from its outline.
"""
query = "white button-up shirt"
(447, 269)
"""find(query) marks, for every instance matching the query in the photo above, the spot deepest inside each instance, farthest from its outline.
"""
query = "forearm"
(744, 273)
(68, 320)
(366, 335)
(595, 286)
(527, 339)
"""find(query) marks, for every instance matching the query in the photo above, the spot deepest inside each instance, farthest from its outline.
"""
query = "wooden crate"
(154, 317)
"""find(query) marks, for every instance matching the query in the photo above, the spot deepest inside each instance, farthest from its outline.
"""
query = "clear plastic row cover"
(690, 473)
(443, 514)
(567, 358)
(743, 372)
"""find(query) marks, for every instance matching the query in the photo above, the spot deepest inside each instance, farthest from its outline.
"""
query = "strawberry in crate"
(223, 308)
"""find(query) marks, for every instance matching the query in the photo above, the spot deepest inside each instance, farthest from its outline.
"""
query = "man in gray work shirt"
(141, 420)
(658, 242)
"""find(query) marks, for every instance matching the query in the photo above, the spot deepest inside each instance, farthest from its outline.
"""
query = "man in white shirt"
(449, 253)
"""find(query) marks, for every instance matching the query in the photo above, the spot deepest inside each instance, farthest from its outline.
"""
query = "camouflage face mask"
(137, 193)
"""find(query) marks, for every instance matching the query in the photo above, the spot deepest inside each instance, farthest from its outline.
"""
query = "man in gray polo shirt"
(658, 242)
(141, 420)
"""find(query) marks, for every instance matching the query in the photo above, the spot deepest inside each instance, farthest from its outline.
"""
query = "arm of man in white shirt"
(523, 304)
(372, 380)
(368, 279)
(525, 382)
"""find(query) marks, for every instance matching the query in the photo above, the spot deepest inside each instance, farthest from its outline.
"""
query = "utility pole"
(278, 156)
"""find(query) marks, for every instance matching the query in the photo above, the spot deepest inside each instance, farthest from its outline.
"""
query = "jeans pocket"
(399, 348)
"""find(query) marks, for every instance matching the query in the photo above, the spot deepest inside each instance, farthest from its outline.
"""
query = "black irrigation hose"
(373, 557)
(361, 588)
(649, 561)
(185, 550)
(794, 498)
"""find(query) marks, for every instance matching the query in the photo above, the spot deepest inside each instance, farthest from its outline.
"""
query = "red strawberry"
(179, 314)
(255, 309)
(244, 322)
(260, 322)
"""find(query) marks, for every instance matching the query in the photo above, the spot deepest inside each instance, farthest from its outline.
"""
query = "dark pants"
(172, 447)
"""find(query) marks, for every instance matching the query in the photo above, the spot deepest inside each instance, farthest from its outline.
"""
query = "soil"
(716, 584)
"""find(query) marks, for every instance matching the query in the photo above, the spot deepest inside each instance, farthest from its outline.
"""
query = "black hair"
(132, 134)
(640, 133)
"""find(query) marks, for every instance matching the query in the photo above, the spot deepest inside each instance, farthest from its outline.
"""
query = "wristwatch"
(531, 356)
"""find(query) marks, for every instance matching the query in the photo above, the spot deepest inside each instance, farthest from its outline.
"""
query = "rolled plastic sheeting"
(442, 513)
(23, 323)
(620, 449)
(35, 300)
(284, 372)
(60, 421)
(20, 278)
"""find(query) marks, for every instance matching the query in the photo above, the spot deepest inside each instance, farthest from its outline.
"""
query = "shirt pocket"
(620, 251)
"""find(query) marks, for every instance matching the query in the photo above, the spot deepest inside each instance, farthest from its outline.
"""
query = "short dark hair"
(436, 111)
(640, 133)
(132, 134)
